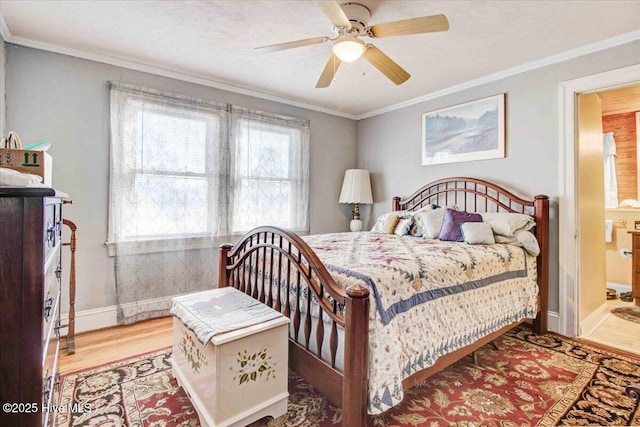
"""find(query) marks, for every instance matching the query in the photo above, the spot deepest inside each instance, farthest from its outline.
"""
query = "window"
(172, 175)
(185, 168)
(267, 178)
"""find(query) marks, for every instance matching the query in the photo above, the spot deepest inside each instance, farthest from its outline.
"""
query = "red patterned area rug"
(528, 380)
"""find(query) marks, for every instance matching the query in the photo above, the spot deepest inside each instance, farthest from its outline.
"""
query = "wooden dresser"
(635, 265)
(30, 267)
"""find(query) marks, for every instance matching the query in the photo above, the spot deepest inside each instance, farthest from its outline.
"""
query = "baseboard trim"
(553, 322)
(588, 325)
(94, 319)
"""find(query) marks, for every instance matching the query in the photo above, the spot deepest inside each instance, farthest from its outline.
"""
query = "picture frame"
(465, 132)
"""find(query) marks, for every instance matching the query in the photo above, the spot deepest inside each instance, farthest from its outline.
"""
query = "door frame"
(568, 241)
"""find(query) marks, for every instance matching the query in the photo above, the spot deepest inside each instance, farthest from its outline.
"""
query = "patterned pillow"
(380, 221)
(451, 224)
(404, 226)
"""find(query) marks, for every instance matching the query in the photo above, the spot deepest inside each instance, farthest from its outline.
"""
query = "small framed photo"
(465, 132)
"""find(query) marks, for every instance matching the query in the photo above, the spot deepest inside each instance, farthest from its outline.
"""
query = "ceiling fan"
(350, 22)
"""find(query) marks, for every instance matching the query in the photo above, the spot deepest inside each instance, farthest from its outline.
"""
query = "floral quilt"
(429, 298)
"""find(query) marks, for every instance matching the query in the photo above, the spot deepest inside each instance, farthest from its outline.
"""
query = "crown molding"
(550, 60)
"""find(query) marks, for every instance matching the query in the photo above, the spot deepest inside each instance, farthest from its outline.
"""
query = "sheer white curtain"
(270, 170)
(186, 175)
(610, 180)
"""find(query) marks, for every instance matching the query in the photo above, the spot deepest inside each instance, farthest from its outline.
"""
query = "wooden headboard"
(477, 195)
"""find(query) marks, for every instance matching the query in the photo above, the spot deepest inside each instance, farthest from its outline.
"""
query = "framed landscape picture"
(465, 132)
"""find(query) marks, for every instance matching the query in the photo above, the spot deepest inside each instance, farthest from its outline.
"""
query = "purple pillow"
(453, 219)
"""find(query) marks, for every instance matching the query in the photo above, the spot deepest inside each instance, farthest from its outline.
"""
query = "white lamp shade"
(356, 187)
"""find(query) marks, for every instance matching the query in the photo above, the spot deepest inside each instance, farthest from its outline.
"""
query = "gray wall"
(389, 144)
(66, 100)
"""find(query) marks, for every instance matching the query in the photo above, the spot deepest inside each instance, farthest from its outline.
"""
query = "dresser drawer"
(52, 343)
(51, 295)
(50, 322)
(51, 351)
(52, 229)
(52, 276)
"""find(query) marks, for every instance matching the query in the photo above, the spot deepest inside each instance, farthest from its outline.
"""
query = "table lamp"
(356, 189)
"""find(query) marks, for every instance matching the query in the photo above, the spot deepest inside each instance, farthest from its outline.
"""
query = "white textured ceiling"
(213, 42)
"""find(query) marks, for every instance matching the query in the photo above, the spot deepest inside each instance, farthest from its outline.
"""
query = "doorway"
(608, 194)
(576, 304)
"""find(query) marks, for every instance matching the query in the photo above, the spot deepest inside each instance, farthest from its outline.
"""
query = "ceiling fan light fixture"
(348, 48)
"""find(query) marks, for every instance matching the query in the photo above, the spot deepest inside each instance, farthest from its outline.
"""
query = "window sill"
(149, 246)
(137, 247)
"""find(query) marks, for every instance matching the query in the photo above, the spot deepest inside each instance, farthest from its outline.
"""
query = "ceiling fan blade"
(385, 65)
(425, 24)
(334, 12)
(329, 71)
(291, 45)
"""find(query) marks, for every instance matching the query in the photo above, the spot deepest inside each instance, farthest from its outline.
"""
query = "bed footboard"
(278, 268)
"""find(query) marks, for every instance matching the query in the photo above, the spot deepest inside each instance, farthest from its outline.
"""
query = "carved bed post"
(356, 357)
(541, 209)
(71, 329)
(223, 261)
(395, 204)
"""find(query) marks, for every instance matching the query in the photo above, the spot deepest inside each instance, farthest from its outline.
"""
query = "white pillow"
(477, 233)
(507, 223)
(522, 238)
(431, 220)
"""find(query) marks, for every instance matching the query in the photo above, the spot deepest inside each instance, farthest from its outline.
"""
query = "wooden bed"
(266, 247)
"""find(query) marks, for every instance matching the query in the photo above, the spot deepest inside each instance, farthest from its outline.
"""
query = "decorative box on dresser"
(30, 267)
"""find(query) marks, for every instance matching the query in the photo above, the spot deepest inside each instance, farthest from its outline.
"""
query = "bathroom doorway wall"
(591, 230)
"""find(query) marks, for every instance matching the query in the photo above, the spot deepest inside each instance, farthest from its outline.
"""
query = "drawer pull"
(57, 327)
(51, 235)
(58, 271)
(48, 303)
(47, 387)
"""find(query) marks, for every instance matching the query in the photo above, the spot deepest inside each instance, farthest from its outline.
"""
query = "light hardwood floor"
(104, 346)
